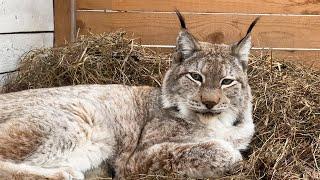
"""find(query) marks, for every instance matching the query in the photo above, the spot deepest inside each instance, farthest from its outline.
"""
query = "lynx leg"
(9, 170)
(203, 160)
(52, 148)
(196, 160)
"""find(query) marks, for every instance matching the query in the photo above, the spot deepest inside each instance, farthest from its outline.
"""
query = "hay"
(286, 97)
(99, 59)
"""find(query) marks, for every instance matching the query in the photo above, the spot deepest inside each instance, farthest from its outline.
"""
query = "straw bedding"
(286, 97)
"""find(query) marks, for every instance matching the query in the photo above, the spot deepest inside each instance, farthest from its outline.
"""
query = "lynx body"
(195, 124)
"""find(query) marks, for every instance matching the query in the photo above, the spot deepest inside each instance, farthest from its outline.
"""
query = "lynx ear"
(186, 42)
(242, 49)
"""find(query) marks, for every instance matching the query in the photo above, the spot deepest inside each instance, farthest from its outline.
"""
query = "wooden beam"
(230, 6)
(162, 28)
(64, 21)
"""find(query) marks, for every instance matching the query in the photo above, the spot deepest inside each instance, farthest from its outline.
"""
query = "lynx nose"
(209, 104)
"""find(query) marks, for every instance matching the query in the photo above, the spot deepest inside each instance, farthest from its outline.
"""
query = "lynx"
(196, 124)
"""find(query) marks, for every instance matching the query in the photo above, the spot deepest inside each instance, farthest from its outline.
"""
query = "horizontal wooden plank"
(231, 6)
(26, 15)
(162, 28)
(309, 59)
(13, 46)
(95, 4)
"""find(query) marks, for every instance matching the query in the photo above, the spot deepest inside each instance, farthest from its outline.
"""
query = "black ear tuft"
(181, 19)
(250, 28)
(242, 49)
(187, 44)
(253, 24)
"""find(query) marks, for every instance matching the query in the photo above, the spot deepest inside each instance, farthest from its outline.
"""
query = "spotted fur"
(195, 125)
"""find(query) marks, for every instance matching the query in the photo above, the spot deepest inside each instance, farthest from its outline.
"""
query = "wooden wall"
(24, 25)
(290, 27)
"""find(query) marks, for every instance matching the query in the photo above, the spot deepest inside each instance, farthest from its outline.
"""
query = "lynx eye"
(195, 76)
(226, 81)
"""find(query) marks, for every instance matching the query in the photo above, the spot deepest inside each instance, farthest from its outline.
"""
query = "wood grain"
(309, 59)
(95, 4)
(231, 6)
(62, 22)
(13, 46)
(162, 28)
(26, 15)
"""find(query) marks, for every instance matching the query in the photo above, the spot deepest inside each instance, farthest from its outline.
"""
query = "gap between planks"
(27, 32)
(253, 48)
(256, 6)
(197, 13)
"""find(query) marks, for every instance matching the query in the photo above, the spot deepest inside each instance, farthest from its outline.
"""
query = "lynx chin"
(196, 124)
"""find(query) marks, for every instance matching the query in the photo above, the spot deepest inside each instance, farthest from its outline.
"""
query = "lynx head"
(207, 79)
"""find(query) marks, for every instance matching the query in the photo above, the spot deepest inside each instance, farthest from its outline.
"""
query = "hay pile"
(287, 119)
(286, 97)
(98, 59)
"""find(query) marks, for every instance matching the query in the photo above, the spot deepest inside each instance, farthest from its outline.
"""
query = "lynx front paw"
(204, 160)
(230, 152)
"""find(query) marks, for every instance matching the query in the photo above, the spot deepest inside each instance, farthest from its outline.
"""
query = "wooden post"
(64, 21)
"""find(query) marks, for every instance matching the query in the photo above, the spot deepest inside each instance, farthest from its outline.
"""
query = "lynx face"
(209, 82)
(207, 79)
